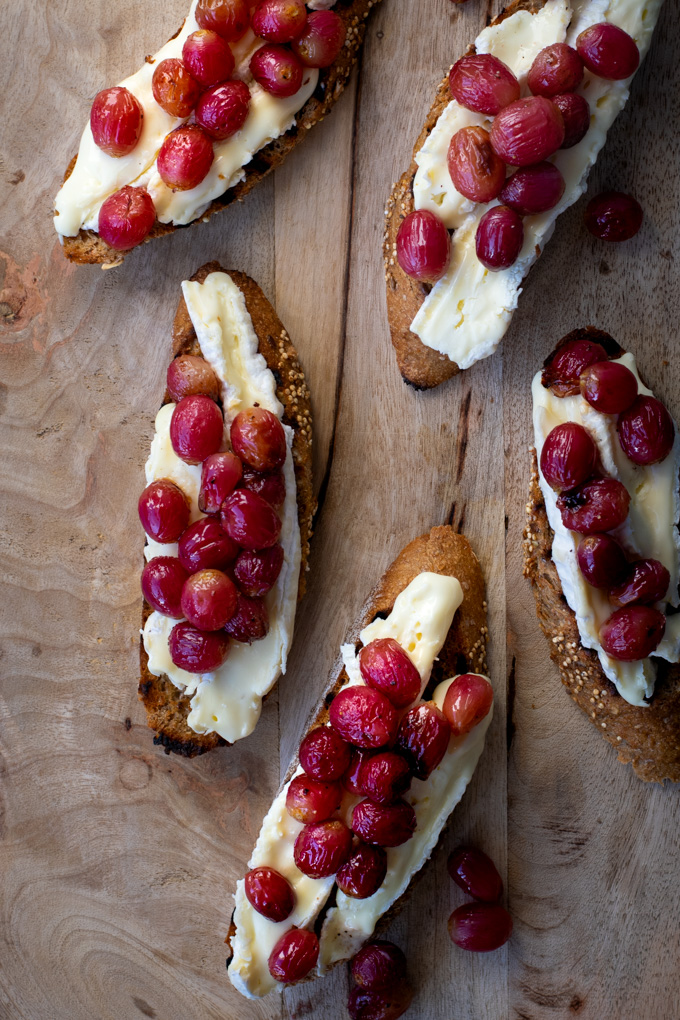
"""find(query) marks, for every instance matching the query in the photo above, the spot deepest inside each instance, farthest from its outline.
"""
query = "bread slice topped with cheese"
(204, 120)
(228, 512)
(602, 549)
(518, 133)
(385, 759)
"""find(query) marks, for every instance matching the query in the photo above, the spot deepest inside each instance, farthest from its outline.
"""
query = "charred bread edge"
(87, 247)
(646, 738)
(420, 366)
(166, 707)
(442, 551)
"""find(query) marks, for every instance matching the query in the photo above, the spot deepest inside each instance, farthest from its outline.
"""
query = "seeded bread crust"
(441, 551)
(88, 248)
(646, 738)
(166, 707)
(420, 366)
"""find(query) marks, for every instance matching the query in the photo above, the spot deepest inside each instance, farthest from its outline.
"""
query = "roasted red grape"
(363, 717)
(533, 189)
(613, 216)
(423, 738)
(271, 487)
(269, 893)
(277, 70)
(475, 873)
(163, 510)
(646, 431)
(324, 754)
(385, 825)
(608, 51)
(527, 131)
(162, 580)
(126, 218)
(209, 599)
(257, 437)
(632, 633)
(385, 777)
(609, 387)
(646, 583)
(387, 667)
(483, 83)
(602, 561)
(475, 169)
(208, 57)
(322, 39)
(350, 778)
(188, 375)
(116, 120)
(423, 246)
(558, 68)
(173, 88)
(250, 622)
(562, 374)
(599, 505)
(256, 573)
(196, 428)
(279, 21)
(220, 474)
(568, 456)
(500, 236)
(229, 18)
(363, 873)
(576, 116)
(467, 701)
(294, 955)
(386, 1005)
(185, 157)
(480, 927)
(311, 800)
(197, 651)
(322, 848)
(379, 965)
(224, 109)
(250, 520)
(205, 545)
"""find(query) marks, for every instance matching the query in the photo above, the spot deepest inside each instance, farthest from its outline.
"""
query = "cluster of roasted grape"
(229, 559)
(202, 85)
(592, 504)
(374, 747)
(485, 925)
(524, 133)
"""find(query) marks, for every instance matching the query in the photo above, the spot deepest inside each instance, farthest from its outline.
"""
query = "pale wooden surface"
(118, 862)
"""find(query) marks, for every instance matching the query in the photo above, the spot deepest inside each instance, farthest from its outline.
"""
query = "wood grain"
(119, 863)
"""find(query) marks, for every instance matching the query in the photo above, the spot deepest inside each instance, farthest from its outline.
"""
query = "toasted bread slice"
(166, 706)
(441, 551)
(87, 247)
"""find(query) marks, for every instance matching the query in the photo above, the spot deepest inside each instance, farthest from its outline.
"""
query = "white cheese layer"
(468, 311)
(97, 175)
(420, 620)
(228, 701)
(649, 531)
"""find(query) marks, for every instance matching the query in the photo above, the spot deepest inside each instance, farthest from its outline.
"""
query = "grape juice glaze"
(468, 311)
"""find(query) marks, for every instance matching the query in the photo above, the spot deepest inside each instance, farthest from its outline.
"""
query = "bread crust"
(441, 551)
(88, 248)
(646, 738)
(166, 706)
(420, 366)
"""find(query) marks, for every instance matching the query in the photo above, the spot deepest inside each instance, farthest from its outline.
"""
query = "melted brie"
(649, 531)
(468, 311)
(228, 701)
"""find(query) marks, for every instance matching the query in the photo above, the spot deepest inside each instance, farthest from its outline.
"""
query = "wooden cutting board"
(119, 863)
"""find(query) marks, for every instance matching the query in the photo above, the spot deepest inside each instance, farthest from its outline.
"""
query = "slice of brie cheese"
(468, 311)
(228, 701)
(650, 531)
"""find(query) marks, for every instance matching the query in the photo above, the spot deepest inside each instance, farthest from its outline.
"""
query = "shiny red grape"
(646, 583)
(196, 428)
(250, 622)
(423, 246)
(483, 83)
(162, 580)
(632, 633)
(576, 116)
(126, 218)
(271, 487)
(480, 927)
(116, 120)
(311, 800)
(384, 824)
(608, 51)
(294, 955)
(385, 777)
(322, 39)
(250, 521)
(256, 573)
(389, 1004)
(209, 599)
(224, 109)
(229, 18)
(646, 431)
(602, 561)
(197, 651)
(363, 717)
(562, 374)
(609, 387)
(363, 873)
(475, 169)
(613, 216)
(173, 88)
(269, 893)
(500, 236)
(533, 189)
(527, 131)
(568, 456)
(322, 848)
(185, 157)
(257, 437)
(205, 545)
(220, 474)
(163, 510)
(350, 778)
(277, 70)
(380, 965)
(387, 667)
(279, 21)
(423, 738)
(188, 375)
(324, 754)
(599, 505)
(475, 873)
(207, 57)
(558, 68)
(467, 701)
